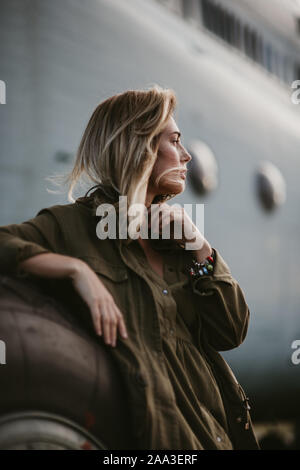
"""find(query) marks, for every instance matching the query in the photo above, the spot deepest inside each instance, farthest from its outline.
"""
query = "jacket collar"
(105, 194)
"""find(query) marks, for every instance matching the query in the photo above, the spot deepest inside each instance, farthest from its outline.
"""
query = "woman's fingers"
(122, 326)
(106, 325)
(113, 329)
(95, 311)
(117, 322)
(106, 316)
(107, 320)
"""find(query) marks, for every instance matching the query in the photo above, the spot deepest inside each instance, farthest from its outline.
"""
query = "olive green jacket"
(182, 393)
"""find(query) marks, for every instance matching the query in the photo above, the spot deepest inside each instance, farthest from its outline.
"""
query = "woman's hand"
(182, 228)
(106, 316)
(105, 313)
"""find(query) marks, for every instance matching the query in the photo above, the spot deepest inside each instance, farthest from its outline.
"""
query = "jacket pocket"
(116, 273)
(114, 277)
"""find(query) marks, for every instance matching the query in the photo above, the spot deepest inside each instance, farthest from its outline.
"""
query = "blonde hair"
(119, 145)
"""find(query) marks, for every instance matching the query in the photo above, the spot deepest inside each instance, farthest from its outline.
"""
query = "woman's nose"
(187, 156)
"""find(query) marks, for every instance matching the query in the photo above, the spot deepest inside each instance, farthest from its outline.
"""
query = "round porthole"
(270, 186)
(203, 168)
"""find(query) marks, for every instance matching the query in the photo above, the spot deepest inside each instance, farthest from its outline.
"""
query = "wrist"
(75, 268)
(203, 253)
(201, 268)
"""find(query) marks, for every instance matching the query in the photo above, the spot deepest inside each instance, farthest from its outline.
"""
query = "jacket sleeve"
(18, 242)
(223, 310)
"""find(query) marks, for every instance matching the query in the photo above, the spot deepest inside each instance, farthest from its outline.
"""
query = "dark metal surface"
(56, 364)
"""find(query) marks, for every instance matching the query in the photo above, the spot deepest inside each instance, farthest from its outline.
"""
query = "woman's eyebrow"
(176, 132)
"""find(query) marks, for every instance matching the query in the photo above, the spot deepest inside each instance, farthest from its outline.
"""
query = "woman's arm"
(19, 242)
(106, 316)
(223, 309)
(31, 248)
(50, 265)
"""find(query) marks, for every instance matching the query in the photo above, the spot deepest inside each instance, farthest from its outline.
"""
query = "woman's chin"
(175, 188)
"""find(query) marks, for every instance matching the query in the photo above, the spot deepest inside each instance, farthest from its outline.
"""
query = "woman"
(163, 325)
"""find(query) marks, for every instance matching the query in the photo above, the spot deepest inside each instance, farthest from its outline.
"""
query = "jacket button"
(165, 291)
(159, 356)
(140, 380)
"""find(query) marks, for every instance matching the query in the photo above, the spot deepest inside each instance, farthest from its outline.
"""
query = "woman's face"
(168, 174)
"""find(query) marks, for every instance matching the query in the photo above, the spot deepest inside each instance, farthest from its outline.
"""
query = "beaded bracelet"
(200, 269)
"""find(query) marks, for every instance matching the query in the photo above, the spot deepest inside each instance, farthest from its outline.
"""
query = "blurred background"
(233, 65)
